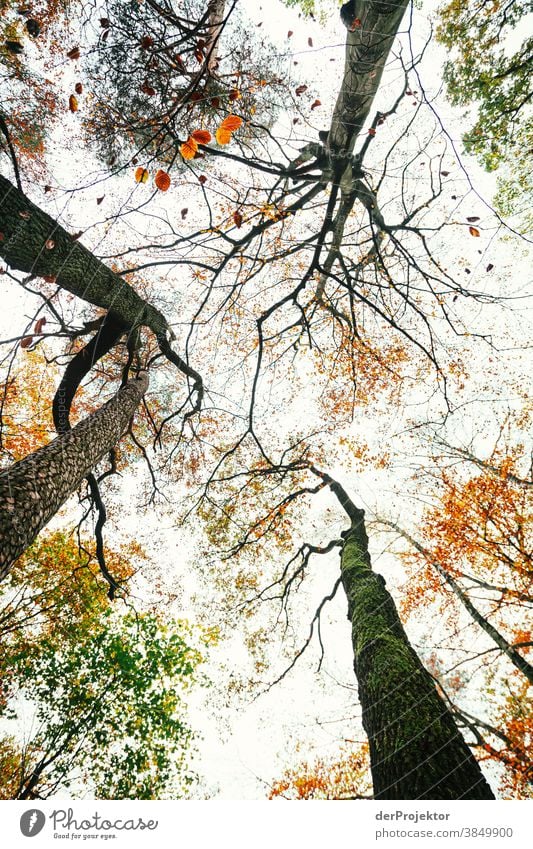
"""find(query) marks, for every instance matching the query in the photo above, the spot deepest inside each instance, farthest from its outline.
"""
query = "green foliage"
(104, 689)
(484, 69)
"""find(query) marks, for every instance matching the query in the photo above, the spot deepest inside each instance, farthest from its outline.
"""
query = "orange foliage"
(345, 778)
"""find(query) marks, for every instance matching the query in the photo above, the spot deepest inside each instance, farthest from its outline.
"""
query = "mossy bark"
(33, 242)
(367, 49)
(416, 749)
(33, 490)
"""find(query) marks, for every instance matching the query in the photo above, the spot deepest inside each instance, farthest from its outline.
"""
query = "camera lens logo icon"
(32, 822)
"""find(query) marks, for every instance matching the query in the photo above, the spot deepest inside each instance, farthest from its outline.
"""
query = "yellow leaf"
(141, 175)
(223, 136)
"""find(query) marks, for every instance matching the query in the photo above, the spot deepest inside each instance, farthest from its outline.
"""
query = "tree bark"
(367, 49)
(416, 749)
(33, 242)
(33, 490)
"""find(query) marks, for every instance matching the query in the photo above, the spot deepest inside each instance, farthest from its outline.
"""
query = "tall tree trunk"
(374, 28)
(416, 749)
(33, 490)
(32, 241)
(216, 9)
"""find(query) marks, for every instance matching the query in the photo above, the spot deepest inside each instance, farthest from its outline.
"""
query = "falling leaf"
(76, 236)
(467, 271)
(371, 131)
(73, 103)
(201, 136)
(237, 218)
(195, 96)
(141, 175)
(146, 88)
(203, 179)
(473, 218)
(74, 53)
(162, 181)
(104, 23)
(49, 278)
(189, 148)
(147, 42)
(300, 90)
(26, 342)
(310, 42)
(49, 244)
(315, 104)
(231, 123)
(39, 325)
(14, 47)
(184, 213)
(99, 200)
(489, 267)
(78, 88)
(474, 231)
(47, 189)
(445, 173)
(199, 56)
(33, 27)
(234, 95)
(215, 102)
(290, 33)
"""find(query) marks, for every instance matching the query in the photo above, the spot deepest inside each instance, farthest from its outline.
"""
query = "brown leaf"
(473, 218)
(184, 213)
(300, 90)
(310, 42)
(99, 200)
(39, 325)
(104, 23)
(78, 88)
(203, 179)
(290, 33)
(237, 218)
(26, 342)
(73, 103)
(315, 104)
(474, 231)
(76, 236)
(74, 53)
(489, 267)
(445, 173)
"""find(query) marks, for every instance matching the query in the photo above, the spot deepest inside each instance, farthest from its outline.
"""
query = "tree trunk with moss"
(33, 490)
(416, 749)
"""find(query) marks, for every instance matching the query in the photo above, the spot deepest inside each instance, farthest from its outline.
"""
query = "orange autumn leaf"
(474, 231)
(162, 180)
(141, 175)
(189, 148)
(73, 103)
(223, 136)
(201, 136)
(231, 123)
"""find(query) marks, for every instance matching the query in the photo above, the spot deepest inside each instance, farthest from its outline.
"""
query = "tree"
(104, 689)
(33, 490)
(482, 70)
(314, 260)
